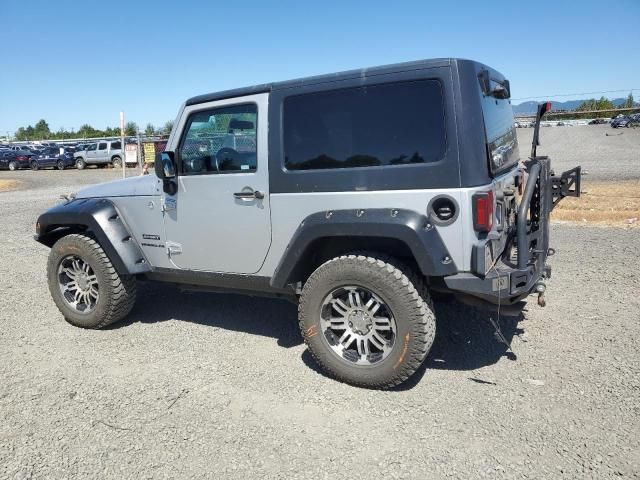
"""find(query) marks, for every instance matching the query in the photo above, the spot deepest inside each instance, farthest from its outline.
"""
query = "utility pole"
(139, 152)
(122, 151)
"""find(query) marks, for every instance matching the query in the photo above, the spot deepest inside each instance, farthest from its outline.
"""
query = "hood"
(128, 187)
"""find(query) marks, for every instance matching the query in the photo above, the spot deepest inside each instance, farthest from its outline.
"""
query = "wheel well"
(326, 248)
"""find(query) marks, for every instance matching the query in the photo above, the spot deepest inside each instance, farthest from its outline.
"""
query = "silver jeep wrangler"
(358, 195)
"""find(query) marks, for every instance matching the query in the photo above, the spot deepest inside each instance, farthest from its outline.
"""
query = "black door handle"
(249, 195)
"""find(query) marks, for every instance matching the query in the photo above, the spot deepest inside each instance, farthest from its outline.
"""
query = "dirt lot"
(610, 160)
(221, 386)
(6, 185)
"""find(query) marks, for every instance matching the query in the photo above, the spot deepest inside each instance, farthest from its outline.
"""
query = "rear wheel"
(13, 166)
(116, 162)
(85, 286)
(60, 165)
(34, 165)
(367, 321)
(80, 164)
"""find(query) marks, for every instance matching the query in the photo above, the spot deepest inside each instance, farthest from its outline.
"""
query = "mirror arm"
(169, 186)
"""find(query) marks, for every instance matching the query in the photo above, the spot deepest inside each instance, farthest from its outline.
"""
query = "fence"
(148, 149)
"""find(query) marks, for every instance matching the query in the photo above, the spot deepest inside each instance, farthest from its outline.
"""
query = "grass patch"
(604, 203)
(6, 185)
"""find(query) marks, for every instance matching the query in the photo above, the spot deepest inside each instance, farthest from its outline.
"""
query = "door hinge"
(173, 248)
(168, 203)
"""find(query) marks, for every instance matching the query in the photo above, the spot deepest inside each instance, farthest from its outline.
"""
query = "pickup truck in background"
(100, 153)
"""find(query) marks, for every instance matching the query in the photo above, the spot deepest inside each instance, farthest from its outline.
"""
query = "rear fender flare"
(409, 227)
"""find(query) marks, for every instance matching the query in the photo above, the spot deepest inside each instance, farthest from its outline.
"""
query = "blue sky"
(74, 62)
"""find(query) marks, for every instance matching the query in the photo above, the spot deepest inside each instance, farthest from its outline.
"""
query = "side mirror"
(165, 168)
(165, 165)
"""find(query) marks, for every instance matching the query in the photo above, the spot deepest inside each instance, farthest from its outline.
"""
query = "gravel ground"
(221, 386)
(605, 153)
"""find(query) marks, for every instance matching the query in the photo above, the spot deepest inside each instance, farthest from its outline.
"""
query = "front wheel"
(13, 166)
(34, 165)
(84, 284)
(80, 164)
(365, 321)
(60, 165)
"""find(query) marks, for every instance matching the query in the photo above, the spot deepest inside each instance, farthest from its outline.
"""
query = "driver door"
(219, 219)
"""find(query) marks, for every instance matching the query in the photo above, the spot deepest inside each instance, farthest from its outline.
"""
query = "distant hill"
(530, 107)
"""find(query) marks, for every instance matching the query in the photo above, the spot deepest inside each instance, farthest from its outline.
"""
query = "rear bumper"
(509, 281)
(503, 285)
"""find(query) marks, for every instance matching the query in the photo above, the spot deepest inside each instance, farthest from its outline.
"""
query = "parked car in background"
(598, 121)
(100, 153)
(22, 148)
(14, 159)
(56, 157)
(620, 122)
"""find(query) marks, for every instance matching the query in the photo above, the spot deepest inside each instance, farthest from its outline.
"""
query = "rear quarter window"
(379, 125)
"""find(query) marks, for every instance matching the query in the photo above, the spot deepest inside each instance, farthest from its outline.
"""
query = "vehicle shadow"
(465, 338)
(267, 317)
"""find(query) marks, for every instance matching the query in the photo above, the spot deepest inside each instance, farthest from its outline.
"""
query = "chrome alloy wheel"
(358, 325)
(78, 284)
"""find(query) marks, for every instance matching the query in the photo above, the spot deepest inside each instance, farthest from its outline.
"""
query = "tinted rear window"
(502, 141)
(380, 125)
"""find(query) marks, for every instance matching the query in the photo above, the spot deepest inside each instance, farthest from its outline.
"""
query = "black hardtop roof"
(331, 77)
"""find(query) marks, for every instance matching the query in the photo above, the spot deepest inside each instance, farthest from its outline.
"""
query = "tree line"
(603, 104)
(42, 131)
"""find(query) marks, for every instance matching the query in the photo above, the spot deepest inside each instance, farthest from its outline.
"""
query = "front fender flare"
(411, 228)
(100, 217)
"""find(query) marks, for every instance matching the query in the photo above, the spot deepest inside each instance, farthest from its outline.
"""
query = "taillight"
(483, 211)
(22, 158)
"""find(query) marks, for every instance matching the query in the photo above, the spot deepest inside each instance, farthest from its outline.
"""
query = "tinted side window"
(102, 146)
(220, 140)
(380, 125)
(92, 147)
(115, 145)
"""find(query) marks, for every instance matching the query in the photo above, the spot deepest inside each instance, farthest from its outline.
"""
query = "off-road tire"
(80, 164)
(402, 290)
(13, 166)
(117, 292)
(116, 162)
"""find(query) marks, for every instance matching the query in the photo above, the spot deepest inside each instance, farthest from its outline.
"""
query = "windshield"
(502, 142)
